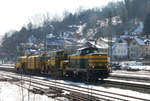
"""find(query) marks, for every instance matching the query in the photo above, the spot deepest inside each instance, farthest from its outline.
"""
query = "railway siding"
(73, 90)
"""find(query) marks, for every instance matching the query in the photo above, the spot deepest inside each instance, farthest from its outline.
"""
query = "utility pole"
(45, 43)
(110, 37)
(17, 52)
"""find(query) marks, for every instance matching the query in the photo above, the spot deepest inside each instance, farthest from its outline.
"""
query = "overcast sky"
(16, 13)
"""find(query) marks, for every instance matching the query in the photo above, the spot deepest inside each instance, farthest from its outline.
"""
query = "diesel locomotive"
(87, 64)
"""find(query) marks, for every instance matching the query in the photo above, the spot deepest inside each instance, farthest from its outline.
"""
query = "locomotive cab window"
(58, 55)
(89, 51)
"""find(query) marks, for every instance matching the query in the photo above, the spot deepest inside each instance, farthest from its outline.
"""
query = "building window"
(134, 43)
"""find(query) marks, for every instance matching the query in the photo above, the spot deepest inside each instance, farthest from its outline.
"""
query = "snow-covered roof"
(120, 40)
(66, 42)
(55, 43)
(22, 56)
(126, 36)
(82, 41)
(99, 45)
(139, 29)
(139, 41)
(107, 40)
(31, 39)
(82, 48)
(50, 36)
(147, 41)
(71, 40)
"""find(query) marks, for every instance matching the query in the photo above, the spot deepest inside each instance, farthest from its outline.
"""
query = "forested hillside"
(89, 24)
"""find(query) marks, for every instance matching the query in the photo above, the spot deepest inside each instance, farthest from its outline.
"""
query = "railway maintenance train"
(87, 64)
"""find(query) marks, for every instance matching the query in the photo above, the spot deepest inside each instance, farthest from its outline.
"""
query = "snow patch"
(10, 92)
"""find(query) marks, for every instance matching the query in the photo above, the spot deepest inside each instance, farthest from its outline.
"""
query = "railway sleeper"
(49, 92)
(54, 95)
(81, 97)
(130, 84)
(4, 79)
(74, 98)
(36, 91)
(8, 80)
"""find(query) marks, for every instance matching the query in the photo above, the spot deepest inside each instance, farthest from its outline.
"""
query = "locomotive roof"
(22, 56)
(99, 53)
(86, 48)
(35, 56)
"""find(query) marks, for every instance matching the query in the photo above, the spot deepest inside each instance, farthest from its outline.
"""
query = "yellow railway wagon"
(38, 63)
(21, 61)
(34, 62)
(30, 63)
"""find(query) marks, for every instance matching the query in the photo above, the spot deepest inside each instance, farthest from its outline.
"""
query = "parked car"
(137, 66)
(116, 66)
(124, 66)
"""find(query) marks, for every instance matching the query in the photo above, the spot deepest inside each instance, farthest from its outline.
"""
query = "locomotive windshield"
(59, 54)
(88, 51)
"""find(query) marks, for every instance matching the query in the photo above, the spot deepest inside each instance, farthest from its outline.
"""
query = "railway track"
(118, 75)
(133, 85)
(75, 92)
(147, 73)
(129, 77)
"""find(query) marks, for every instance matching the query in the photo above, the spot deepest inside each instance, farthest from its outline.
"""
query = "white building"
(120, 49)
(32, 39)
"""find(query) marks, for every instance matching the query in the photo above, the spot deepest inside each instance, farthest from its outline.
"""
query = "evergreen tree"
(146, 29)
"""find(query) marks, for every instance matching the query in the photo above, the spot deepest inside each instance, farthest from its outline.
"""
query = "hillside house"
(120, 50)
(137, 48)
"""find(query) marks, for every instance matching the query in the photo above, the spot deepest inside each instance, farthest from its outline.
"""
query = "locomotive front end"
(98, 66)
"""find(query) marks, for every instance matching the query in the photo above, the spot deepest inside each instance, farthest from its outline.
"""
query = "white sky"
(16, 13)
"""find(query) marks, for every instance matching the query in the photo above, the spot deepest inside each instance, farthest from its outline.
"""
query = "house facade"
(120, 50)
(138, 49)
(147, 48)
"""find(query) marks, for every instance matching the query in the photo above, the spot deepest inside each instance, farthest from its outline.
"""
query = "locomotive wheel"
(21, 70)
(59, 74)
(43, 70)
(83, 77)
(102, 79)
(17, 70)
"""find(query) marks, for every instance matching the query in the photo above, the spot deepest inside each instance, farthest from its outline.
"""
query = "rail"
(75, 91)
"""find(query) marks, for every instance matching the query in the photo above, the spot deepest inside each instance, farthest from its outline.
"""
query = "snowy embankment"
(111, 89)
(7, 65)
(145, 68)
(11, 92)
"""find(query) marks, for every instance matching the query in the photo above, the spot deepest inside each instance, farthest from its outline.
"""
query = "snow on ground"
(111, 89)
(134, 65)
(6, 65)
(11, 92)
(147, 68)
(133, 75)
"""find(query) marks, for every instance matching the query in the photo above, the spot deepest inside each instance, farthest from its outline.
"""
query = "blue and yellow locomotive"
(88, 64)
